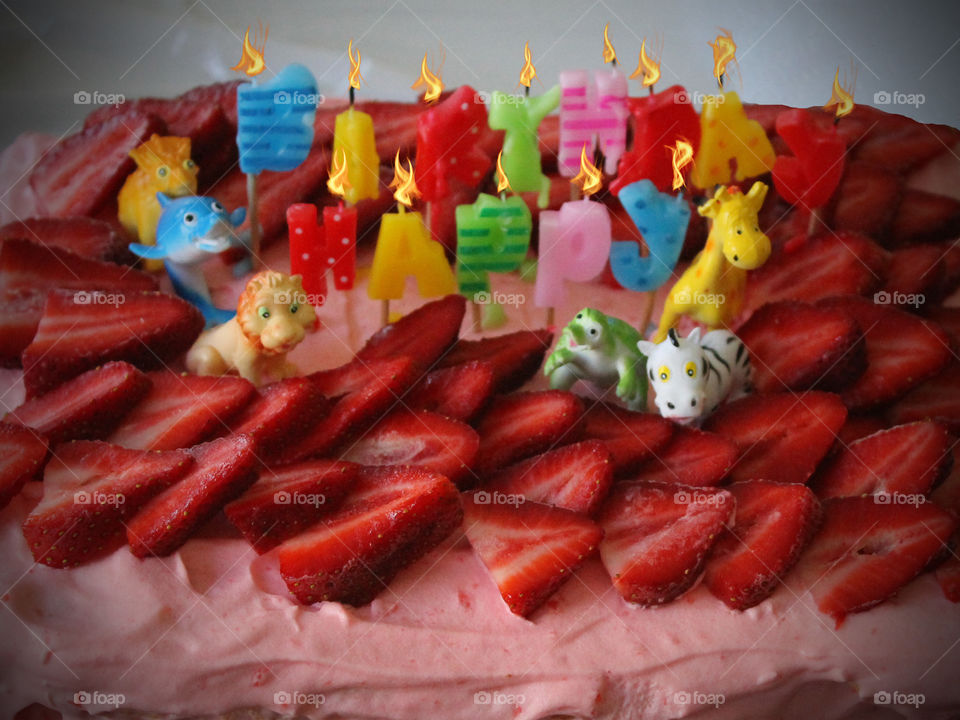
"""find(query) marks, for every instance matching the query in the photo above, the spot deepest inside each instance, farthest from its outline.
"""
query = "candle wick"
(720, 80)
(352, 93)
(503, 195)
(836, 120)
(526, 91)
(650, 88)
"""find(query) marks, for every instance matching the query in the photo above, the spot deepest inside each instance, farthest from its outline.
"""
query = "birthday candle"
(308, 253)
(353, 135)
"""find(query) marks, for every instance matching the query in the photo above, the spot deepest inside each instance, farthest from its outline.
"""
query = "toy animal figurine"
(273, 316)
(191, 229)
(603, 350)
(692, 376)
(163, 165)
(711, 289)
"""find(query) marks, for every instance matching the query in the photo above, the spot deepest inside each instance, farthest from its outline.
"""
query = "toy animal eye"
(189, 164)
(756, 228)
(739, 231)
(263, 311)
(189, 219)
(691, 369)
(664, 373)
(216, 206)
(593, 331)
(579, 316)
(162, 171)
(294, 308)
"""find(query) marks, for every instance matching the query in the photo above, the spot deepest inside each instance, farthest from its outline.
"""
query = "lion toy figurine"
(273, 316)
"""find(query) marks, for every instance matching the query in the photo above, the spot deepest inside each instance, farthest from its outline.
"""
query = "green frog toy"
(603, 350)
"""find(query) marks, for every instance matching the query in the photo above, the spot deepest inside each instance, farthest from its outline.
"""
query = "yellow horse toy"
(163, 165)
(712, 288)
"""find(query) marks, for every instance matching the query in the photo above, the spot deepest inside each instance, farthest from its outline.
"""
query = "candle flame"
(355, 76)
(251, 62)
(609, 54)
(429, 80)
(724, 52)
(840, 96)
(682, 156)
(589, 178)
(339, 178)
(406, 188)
(503, 183)
(646, 66)
(528, 72)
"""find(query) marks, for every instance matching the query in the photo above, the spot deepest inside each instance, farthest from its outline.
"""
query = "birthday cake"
(476, 514)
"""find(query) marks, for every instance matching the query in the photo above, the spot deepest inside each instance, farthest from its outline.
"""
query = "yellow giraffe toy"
(711, 290)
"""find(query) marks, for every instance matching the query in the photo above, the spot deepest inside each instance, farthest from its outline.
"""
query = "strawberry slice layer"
(867, 550)
(948, 576)
(631, 437)
(86, 237)
(90, 489)
(223, 469)
(524, 424)
(530, 549)
(458, 391)
(285, 501)
(796, 346)
(935, 399)
(515, 357)
(916, 273)
(656, 537)
(780, 436)
(87, 407)
(22, 453)
(392, 518)
(774, 522)
(691, 457)
(902, 351)
(419, 439)
(903, 460)
(76, 334)
(576, 477)
(182, 410)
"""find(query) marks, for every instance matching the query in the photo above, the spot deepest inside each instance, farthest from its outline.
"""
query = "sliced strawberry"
(866, 199)
(691, 457)
(285, 501)
(423, 335)
(515, 357)
(19, 315)
(75, 334)
(221, 94)
(90, 489)
(867, 550)
(796, 346)
(393, 517)
(919, 270)
(418, 439)
(280, 415)
(363, 392)
(924, 217)
(902, 351)
(951, 258)
(88, 406)
(834, 264)
(576, 477)
(83, 170)
(900, 146)
(859, 426)
(530, 549)
(631, 437)
(524, 424)
(656, 537)
(222, 470)
(906, 459)
(774, 522)
(948, 575)
(86, 237)
(182, 410)
(22, 453)
(459, 391)
(935, 399)
(947, 318)
(780, 436)
(947, 493)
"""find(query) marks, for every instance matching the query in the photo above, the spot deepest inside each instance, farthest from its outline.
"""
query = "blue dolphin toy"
(190, 229)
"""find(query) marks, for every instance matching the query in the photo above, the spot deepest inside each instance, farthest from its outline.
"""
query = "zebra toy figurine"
(692, 376)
